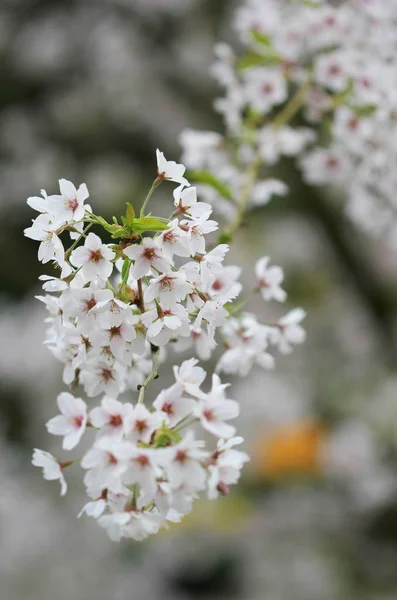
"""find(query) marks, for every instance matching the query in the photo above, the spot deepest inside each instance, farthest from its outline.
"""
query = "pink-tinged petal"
(66, 404)
(103, 296)
(128, 333)
(151, 293)
(34, 233)
(132, 251)
(104, 269)
(113, 406)
(82, 193)
(155, 328)
(172, 322)
(66, 270)
(71, 440)
(161, 162)
(140, 268)
(46, 251)
(161, 264)
(118, 347)
(58, 425)
(80, 406)
(79, 256)
(67, 188)
(93, 242)
(219, 429)
(200, 209)
(149, 316)
(108, 253)
(99, 417)
(37, 203)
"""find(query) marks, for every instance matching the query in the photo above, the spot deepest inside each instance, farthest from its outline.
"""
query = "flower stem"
(252, 175)
(140, 303)
(155, 183)
(152, 375)
(73, 246)
(182, 422)
(292, 107)
(284, 116)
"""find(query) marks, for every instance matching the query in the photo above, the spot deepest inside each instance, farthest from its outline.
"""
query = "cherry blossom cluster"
(333, 65)
(114, 310)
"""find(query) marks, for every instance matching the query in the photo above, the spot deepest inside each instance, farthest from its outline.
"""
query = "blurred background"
(89, 90)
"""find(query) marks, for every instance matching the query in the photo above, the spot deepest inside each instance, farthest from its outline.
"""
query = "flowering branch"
(159, 287)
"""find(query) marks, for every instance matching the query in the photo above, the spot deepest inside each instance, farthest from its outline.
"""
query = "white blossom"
(94, 258)
(170, 170)
(51, 468)
(71, 423)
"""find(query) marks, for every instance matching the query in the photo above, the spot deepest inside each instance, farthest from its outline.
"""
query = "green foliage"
(148, 224)
(261, 38)
(166, 437)
(365, 110)
(210, 179)
(252, 59)
(130, 225)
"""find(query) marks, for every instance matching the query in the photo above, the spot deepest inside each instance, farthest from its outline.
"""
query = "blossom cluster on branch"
(114, 309)
(332, 69)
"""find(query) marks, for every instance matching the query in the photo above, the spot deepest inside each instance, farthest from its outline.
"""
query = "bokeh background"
(89, 90)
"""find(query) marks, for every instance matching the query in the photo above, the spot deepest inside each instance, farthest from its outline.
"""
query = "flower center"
(115, 420)
(142, 460)
(140, 425)
(181, 456)
(334, 70)
(89, 304)
(353, 123)
(332, 163)
(168, 408)
(114, 331)
(78, 421)
(95, 256)
(217, 285)
(267, 89)
(112, 459)
(167, 283)
(169, 237)
(106, 375)
(208, 414)
(149, 253)
(72, 204)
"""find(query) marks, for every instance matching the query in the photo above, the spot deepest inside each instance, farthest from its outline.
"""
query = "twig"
(152, 375)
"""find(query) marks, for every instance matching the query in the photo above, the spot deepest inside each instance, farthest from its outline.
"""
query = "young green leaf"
(130, 213)
(210, 179)
(148, 224)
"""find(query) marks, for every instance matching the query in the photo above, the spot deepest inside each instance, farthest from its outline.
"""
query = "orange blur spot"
(289, 450)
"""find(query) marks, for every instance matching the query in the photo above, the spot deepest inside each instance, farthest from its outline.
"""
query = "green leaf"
(261, 38)
(225, 238)
(210, 179)
(253, 59)
(114, 229)
(130, 212)
(233, 308)
(148, 224)
(311, 3)
(365, 110)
